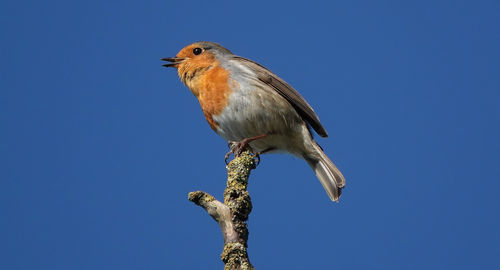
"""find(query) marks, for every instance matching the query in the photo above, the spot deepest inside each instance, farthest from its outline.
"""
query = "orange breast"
(212, 89)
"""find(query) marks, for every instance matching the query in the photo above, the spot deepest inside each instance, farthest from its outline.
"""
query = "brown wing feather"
(291, 95)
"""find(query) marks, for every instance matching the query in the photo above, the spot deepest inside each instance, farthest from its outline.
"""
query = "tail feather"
(330, 177)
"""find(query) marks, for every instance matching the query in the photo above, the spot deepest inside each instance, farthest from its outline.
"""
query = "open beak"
(174, 61)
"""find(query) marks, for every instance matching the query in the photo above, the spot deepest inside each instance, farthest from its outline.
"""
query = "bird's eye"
(197, 51)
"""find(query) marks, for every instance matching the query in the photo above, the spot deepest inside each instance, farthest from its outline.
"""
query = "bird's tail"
(330, 177)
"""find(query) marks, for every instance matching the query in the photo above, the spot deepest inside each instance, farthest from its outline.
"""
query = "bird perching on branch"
(247, 104)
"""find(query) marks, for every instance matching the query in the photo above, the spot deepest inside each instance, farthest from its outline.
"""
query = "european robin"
(245, 102)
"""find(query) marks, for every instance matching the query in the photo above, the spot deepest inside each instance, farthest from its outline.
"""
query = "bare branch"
(233, 213)
(218, 211)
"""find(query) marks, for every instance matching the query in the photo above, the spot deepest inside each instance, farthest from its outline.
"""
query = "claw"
(236, 148)
(231, 145)
(257, 158)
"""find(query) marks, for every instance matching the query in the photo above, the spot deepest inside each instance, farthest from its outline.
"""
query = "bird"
(247, 104)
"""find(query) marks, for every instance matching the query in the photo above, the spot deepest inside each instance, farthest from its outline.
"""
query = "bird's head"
(199, 55)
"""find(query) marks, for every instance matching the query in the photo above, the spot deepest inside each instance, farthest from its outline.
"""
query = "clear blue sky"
(99, 144)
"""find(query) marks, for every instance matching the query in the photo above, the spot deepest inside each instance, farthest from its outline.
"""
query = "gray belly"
(257, 112)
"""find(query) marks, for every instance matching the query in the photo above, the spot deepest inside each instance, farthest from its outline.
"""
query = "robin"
(247, 104)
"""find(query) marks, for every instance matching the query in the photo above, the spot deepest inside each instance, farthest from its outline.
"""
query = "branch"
(233, 213)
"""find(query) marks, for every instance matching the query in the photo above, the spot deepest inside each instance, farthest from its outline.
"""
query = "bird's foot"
(236, 148)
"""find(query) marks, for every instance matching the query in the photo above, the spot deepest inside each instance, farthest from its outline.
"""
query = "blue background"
(99, 144)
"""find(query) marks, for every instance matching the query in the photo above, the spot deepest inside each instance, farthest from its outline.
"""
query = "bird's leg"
(237, 147)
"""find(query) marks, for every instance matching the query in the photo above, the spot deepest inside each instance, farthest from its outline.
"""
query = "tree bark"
(233, 213)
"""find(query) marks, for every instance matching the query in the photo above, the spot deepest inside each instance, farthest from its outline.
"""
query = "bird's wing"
(284, 89)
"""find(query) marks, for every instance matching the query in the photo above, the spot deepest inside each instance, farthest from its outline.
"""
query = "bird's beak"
(175, 61)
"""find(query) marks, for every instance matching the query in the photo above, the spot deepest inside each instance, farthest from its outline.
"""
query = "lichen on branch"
(233, 213)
